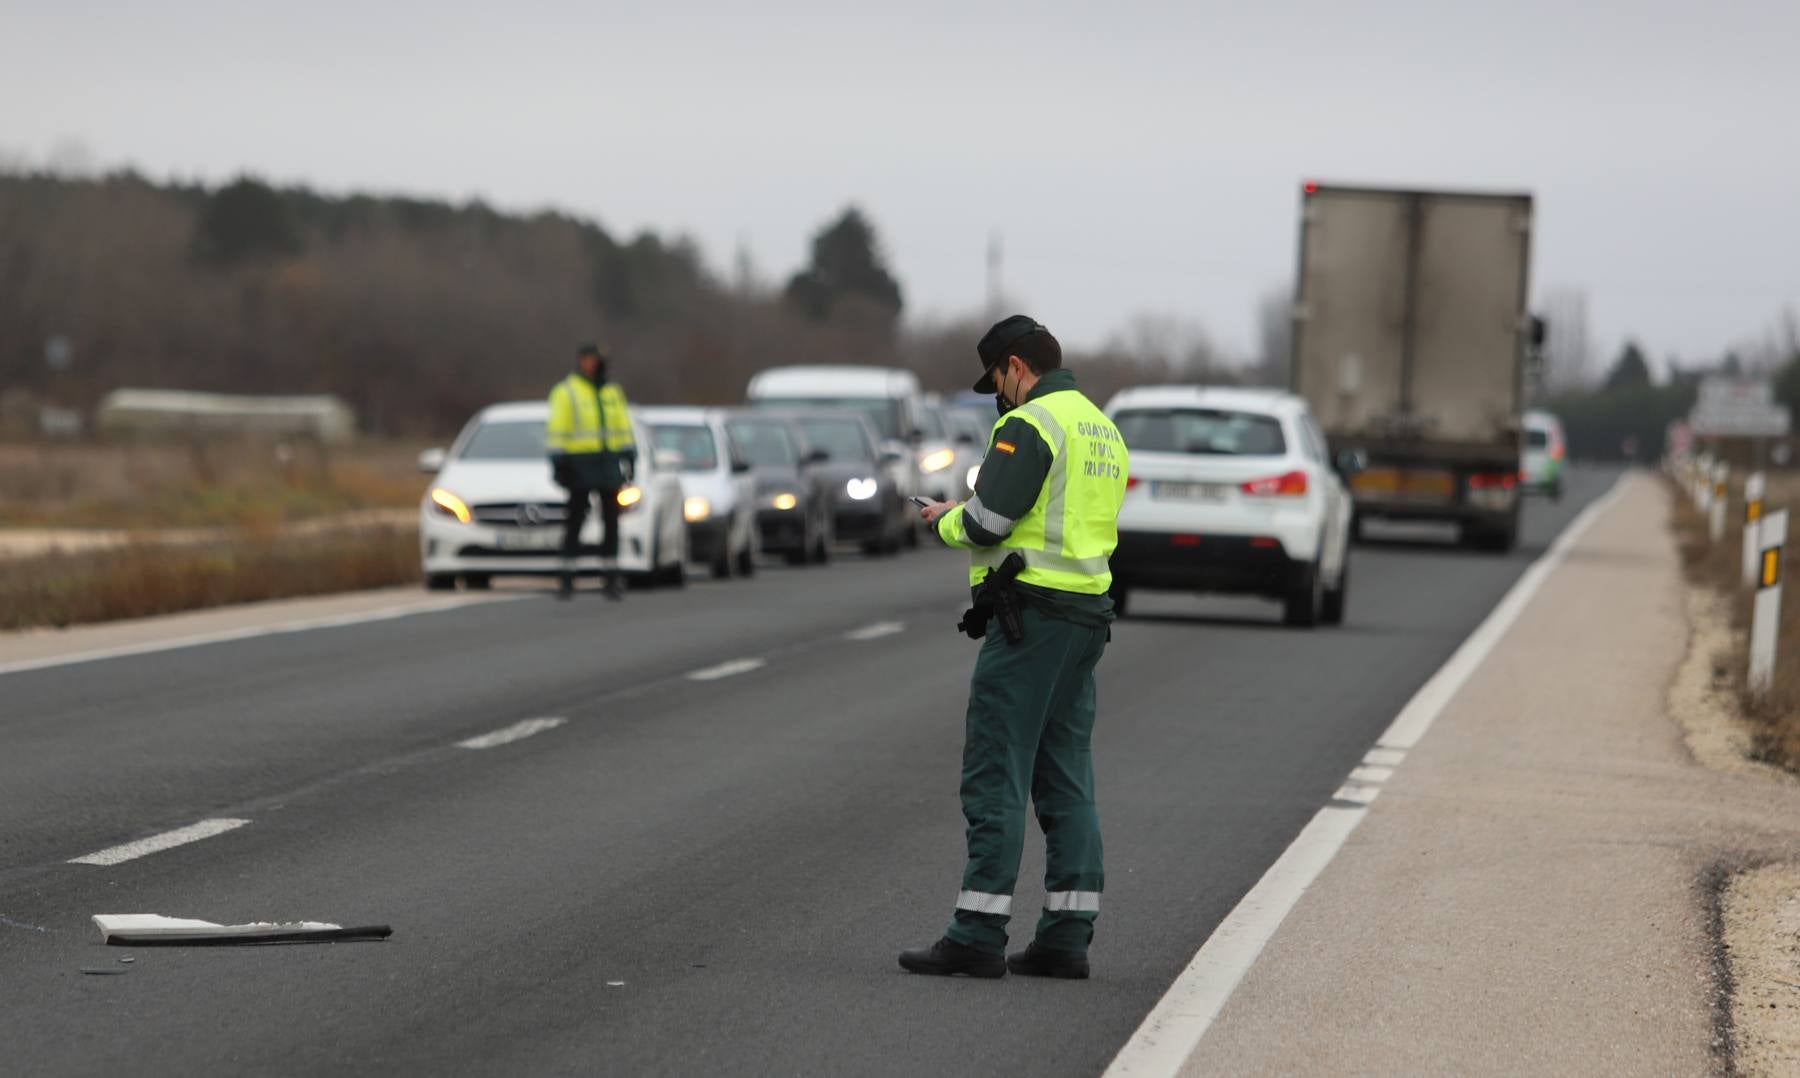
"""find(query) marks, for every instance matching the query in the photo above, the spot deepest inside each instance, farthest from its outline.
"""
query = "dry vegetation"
(249, 484)
(1774, 720)
(144, 579)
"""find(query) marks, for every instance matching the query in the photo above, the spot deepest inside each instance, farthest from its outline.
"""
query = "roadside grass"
(142, 579)
(1775, 719)
(232, 483)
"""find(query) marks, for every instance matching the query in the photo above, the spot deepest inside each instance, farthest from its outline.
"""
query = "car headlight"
(974, 473)
(938, 461)
(784, 501)
(450, 505)
(630, 496)
(861, 489)
(696, 509)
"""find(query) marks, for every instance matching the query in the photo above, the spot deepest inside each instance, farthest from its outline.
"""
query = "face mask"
(1001, 404)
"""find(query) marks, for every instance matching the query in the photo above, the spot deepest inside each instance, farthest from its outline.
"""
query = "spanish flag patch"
(1006, 447)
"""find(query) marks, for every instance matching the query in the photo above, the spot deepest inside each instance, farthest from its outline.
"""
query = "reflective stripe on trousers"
(1072, 901)
(977, 902)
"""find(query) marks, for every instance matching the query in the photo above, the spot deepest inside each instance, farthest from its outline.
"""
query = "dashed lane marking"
(168, 840)
(876, 631)
(726, 669)
(508, 734)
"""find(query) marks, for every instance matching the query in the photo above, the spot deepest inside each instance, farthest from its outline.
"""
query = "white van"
(888, 396)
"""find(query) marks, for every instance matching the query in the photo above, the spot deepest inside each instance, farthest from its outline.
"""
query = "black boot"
(947, 958)
(1036, 961)
(615, 588)
(565, 587)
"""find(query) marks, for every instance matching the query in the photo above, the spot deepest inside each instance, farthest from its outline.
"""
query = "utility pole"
(993, 274)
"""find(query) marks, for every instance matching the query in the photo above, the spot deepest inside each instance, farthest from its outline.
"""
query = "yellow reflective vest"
(1068, 536)
(588, 419)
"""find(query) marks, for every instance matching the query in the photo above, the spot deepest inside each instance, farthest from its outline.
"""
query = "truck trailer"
(1411, 340)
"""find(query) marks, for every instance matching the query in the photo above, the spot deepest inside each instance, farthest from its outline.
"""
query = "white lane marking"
(508, 734)
(727, 669)
(228, 635)
(1360, 795)
(1174, 1028)
(1384, 757)
(168, 840)
(876, 631)
(1376, 775)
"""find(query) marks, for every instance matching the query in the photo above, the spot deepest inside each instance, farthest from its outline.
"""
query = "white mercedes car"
(493, 510)
(1231, 490)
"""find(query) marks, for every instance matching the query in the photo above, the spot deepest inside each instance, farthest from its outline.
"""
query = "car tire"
(478, 581)
(1304, 598)
(1121, 598)
(1331, 609)
(911, 535)
(1358, 533)
(674, 575)
(440, 582)
(721, 562)
(822, 540)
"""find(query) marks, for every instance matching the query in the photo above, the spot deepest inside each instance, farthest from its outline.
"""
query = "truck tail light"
(1290, 485)
(1132, 481)
(1493, 480)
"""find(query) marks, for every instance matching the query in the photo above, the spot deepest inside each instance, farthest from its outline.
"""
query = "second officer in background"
(592, 454)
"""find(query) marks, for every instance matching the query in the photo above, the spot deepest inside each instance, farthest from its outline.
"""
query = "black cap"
(996, 343)
(589, 349)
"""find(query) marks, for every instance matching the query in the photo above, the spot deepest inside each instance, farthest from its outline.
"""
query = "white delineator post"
(1765, 623)
(1702, 490)
(1715, 521)
(1753, 499)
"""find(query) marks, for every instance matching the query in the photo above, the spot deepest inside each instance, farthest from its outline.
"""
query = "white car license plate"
(529, 539)
(1189, 492)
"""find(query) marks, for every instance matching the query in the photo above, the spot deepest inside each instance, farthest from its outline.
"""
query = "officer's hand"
(933, 511)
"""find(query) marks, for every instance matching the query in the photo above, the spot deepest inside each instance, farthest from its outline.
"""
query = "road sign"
(1739, 408)
(1765, 622)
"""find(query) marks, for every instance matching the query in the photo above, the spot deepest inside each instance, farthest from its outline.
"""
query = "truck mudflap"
(1482, 499)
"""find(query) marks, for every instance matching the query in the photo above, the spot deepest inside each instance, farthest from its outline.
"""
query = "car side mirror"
(917, 437)
(740, 466)
(1352, 461)
(666, 460)
(431, 461)
(818, 456)
(965, 438)
(892, 456)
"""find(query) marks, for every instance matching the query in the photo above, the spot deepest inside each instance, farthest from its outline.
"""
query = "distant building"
(166, 411)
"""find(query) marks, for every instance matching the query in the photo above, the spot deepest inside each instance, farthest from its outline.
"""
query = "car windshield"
(841, 438)
(1537, 437)
(1202, 430)
(506, 440)
(764, 445)
(882, 412)
(699, 453)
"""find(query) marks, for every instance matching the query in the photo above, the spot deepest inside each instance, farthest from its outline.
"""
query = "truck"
(1411, 344)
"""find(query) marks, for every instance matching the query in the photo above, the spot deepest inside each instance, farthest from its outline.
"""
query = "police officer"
(1049, 492)
(592, 452)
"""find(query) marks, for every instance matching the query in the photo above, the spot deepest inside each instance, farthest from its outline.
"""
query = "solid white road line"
(249, 633)
(508, 734)
(1359, 795)
(876, 631)
(727, 669)
(1178, 1022)
(168, 840)
(1384, 757)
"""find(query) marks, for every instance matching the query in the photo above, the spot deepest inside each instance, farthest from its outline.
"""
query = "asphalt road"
(686, 876)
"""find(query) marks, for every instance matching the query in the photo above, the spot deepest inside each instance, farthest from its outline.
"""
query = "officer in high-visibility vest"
(1046, 508)
(592, 453)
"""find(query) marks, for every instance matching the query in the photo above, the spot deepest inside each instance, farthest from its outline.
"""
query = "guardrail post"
(1765, 623)
(1753, 502)
(1721, 476)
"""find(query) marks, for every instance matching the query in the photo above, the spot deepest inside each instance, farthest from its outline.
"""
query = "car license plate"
(1188, 492)
(529, 539)
(1405, 484)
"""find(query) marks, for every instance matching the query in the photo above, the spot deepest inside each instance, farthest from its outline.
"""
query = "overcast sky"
(1135, 157)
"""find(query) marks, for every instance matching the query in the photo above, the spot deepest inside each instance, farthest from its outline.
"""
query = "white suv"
(1231, 490)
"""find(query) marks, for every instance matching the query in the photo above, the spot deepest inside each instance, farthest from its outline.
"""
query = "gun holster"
(998, 599)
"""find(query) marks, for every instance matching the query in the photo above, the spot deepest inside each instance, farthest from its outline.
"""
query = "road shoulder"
(1529, 893)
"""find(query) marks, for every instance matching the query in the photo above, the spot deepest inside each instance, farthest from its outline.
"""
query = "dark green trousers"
(1029, 728)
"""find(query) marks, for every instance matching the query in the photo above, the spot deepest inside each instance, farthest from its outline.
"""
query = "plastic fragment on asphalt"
(104, 971)
(615, 984)
(149, 929)
(127, 960)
